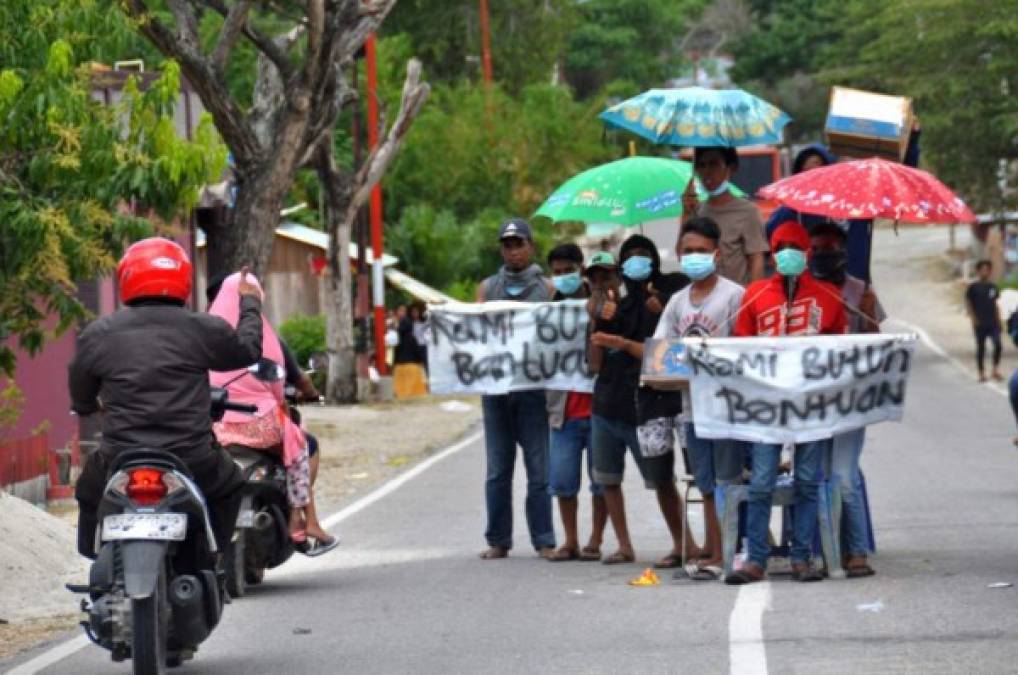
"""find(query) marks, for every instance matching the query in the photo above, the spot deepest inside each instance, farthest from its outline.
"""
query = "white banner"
(498, 347)
(796, 389)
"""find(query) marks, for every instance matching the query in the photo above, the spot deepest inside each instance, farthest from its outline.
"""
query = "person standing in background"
(981, 303)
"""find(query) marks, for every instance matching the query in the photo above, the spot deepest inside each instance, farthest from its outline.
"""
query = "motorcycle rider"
(148, 363)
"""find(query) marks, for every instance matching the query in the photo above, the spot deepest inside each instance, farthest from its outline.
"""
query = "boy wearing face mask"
(569, 419)
(616, 346)
(792, 302)
(741, 256)
(519, 417)
(828, 262)
(706, 308)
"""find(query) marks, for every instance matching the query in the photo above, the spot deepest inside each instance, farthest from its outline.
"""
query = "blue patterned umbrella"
(698, 117)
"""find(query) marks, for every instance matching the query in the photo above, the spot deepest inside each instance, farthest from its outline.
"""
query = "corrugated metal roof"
(317, 238)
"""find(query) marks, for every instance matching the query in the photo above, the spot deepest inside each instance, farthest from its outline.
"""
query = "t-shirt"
(742, 234)
(852, 292)
(982, 298)
(714, 317)
(578, 405)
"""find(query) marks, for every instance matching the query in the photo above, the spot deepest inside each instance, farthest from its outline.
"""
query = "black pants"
(213, 470)
(981, 335)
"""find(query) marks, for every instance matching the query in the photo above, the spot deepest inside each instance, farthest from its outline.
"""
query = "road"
(406, 592)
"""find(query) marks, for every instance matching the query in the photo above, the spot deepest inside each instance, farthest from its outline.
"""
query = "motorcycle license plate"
(246, 518)
(154, 526)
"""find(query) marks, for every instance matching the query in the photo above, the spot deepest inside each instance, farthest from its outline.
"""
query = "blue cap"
(515, 227)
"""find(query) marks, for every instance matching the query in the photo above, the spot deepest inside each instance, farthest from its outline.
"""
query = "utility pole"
(485, 44)
(377, 275)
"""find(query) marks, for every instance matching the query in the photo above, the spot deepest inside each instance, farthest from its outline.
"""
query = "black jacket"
(150, 363)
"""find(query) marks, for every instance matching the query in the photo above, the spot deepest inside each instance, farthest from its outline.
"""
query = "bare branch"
(229, 118)
(262, 42)
(235, 20)
(415, 93)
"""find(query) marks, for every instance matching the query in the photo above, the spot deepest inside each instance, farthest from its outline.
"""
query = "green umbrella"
(627, 192)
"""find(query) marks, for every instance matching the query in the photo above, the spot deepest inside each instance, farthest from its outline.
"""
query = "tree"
(69, 165)
(958, 60)
(300, 89)
(632, 40)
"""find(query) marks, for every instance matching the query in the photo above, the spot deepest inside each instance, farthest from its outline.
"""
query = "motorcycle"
(261, 539)
(154, 594)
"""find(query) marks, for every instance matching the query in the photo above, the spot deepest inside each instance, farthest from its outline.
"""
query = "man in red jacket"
(792, 302)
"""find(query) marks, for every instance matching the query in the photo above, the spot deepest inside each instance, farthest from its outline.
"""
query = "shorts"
(711, 460)
(565, 458)
(610, 440)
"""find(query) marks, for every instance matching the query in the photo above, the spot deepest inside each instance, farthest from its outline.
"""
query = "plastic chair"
(728, 499)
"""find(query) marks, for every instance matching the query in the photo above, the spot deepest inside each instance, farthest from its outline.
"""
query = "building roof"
(316, 238)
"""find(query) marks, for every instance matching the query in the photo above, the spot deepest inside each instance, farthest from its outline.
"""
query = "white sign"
(796, 389)
(498, 347)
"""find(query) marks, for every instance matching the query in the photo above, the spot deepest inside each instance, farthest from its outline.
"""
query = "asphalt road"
(406, 592)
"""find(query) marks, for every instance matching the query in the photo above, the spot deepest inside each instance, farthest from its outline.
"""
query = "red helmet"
(154, 268)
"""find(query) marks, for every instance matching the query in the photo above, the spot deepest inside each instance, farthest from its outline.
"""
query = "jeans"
(766, 457)
(565, 458)
(1012, 390)
(847, 448)
(713, 461)
(516, 418)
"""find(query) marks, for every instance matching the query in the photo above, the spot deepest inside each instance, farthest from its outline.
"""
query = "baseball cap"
(515, 227)
(602, 259)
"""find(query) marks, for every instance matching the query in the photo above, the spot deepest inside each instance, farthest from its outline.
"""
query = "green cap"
(602, 259)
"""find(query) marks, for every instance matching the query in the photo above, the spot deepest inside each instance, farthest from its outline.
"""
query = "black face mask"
(829, 266)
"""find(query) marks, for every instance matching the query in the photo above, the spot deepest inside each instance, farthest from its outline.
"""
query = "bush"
(304, 335)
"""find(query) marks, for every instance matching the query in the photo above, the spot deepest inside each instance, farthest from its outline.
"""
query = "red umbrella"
(870, 188)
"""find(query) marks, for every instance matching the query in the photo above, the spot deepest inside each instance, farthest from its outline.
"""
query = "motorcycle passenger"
(149, 364)
(271, 428)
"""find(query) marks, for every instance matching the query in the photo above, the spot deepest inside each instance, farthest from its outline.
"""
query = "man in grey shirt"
(743, 245)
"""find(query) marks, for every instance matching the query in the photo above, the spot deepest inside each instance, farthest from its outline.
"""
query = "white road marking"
(939, 351)
(747, 654)
(65, 649)
(51, 656)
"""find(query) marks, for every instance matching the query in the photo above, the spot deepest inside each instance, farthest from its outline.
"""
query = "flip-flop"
(619, 558)
(670, 561)
(564, 555)
(316, 547)
(590, 554)
(707, 573)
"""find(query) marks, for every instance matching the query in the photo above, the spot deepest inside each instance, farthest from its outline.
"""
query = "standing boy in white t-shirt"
(707, 307)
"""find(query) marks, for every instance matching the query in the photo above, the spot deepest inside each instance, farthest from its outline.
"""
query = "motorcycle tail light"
(146, 487)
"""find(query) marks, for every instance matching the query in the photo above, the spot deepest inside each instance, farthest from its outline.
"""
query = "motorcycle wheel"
(236, 582)
(150, 619)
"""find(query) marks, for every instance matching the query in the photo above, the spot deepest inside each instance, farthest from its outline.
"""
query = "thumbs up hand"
(653, 299)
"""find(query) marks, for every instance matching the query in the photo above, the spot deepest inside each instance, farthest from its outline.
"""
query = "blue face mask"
(697, 266)
(637, 267)
(515, 290)
(719, 190)
(567, 284)
(791, 262)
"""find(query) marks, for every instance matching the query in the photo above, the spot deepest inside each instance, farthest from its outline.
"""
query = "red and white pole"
(375, 208)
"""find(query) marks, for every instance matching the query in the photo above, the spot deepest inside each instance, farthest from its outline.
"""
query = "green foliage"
(958, 59)
(69, 165)
(304, 334)
(633, 40)
(526, 38)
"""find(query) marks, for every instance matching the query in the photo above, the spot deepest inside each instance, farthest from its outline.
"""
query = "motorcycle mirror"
(267, 370)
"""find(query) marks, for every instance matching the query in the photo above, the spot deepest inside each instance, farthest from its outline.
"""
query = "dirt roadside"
(361, 446)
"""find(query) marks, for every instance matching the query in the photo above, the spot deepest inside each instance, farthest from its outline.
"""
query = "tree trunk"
(341, 385)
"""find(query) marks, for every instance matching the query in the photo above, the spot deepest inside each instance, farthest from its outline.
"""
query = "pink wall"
(43, 382)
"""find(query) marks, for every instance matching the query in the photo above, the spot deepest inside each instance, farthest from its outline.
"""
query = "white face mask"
(720, 189)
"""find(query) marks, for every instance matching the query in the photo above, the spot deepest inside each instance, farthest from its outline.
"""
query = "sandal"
(619, 558)
(564, 554)
(590, 554)
(748, 574)
(707, 573)
(858, 567)
(670, 561)
(805, 572)
(494, 553)
(316, 546)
